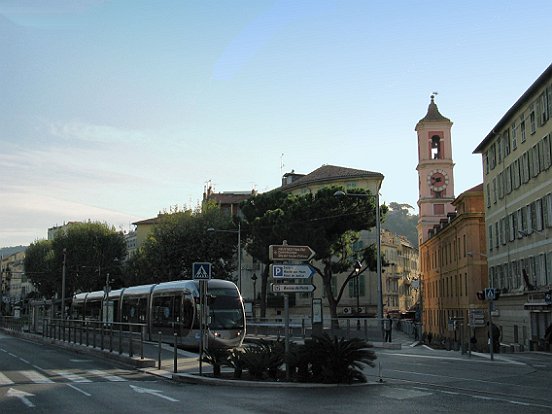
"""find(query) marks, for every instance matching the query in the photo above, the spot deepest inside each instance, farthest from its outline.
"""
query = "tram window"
(162, 311)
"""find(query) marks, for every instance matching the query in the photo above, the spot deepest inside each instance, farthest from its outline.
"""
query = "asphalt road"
(37, 378)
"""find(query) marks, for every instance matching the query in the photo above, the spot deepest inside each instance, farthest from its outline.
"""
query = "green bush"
(333, 360)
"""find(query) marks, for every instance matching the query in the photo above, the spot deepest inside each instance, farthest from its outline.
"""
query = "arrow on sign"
(157, 393)
(22, 395)
(293, 288)
(292, 271)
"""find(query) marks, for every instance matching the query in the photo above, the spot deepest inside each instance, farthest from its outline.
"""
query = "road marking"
(157, 393)
(22, 395)
(24, 360)
(72, 377)
(5, 380)
(79, 390)
(107, 376)
(36, 377)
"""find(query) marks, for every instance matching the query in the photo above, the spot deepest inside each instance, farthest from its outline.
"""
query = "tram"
(170, 308)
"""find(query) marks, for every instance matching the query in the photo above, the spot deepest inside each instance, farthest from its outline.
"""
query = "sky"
(113, 111)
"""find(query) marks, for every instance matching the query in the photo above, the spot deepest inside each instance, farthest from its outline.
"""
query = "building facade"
(517, 176)
(451, 234)
(453, 267)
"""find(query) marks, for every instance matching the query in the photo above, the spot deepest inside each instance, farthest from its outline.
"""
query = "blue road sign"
(292, 271)
(201, 270)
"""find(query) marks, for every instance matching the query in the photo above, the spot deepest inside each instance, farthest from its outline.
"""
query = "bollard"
(175, 370)
(142, 342)
(159, 354)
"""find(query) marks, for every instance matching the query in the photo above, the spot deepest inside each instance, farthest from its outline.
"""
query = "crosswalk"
(49, 377)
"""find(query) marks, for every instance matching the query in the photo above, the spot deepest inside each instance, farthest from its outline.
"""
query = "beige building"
(361, 294)
(14, 285)
(517, 173)
(453, 266)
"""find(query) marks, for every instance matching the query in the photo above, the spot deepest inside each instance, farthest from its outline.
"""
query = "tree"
(180, 239)
(327, 224)
(399, 220)
(92, 251)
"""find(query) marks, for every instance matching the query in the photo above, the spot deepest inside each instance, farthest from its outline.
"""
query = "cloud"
(26, 217)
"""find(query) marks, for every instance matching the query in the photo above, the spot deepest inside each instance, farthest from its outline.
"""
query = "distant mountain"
(8, 251)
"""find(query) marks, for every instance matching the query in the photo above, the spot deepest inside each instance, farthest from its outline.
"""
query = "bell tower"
(435, 170)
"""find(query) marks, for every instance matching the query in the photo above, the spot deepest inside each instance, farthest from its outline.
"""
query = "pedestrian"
(387, 326)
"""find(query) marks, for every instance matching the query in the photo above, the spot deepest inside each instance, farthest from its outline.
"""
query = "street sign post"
(283, 252)
(293, 288)
(292, 271)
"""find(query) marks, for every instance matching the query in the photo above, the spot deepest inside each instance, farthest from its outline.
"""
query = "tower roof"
(433, 114)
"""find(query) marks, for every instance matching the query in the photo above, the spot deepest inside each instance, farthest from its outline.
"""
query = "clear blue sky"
(115, 110)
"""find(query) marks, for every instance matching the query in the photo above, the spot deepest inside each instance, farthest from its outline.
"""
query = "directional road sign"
(201, 270)
(292, 288)
(284, 252)
(292, 271)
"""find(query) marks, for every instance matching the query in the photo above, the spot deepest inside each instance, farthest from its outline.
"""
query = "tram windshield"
(225, 309)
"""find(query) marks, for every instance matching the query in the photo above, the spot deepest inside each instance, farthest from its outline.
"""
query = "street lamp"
(238, 231)
(378, 248)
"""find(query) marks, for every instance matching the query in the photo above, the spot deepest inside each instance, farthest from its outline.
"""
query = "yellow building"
(517, 176)
(453, 268)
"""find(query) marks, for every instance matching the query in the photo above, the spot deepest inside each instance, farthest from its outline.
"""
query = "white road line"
(79, 390)
(5, 380)
(36, 377)
(72, 377)
(107, 376)
(24, 360)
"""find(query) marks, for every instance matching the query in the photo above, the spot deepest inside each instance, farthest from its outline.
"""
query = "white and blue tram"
(169, 308)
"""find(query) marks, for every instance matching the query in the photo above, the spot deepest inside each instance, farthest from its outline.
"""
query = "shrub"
(333, 360)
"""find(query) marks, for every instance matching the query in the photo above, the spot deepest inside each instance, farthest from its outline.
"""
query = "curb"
(195, 378)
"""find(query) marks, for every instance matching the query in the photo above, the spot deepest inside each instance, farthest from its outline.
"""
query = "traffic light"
(480, 294)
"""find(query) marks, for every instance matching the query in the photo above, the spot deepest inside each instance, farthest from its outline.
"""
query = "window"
(525, 168)
(543, 108)
(506, 142)
(499, 149)
(494, 191)
(546, 152)
(491, 244)
(548, 210)
(486, 162)
(492, 156)
(511, 227)
(532, 119)
(514, 135)
(538, 215)
(516, 178)
(488, 195)
(508, 179)
(534, 160)
(522, 128)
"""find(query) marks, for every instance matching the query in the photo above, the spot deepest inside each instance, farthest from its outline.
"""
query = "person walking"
(387, 327)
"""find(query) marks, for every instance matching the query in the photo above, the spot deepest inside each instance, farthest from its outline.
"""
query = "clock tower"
(435, 175)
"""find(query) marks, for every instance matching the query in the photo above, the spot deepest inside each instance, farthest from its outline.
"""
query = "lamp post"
(378, 250)
(238, 231)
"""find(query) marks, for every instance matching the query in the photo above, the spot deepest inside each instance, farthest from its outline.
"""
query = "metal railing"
(365, 328)
(118, 337)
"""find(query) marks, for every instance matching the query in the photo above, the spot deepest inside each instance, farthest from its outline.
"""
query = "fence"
(113, 337)
(365, 328)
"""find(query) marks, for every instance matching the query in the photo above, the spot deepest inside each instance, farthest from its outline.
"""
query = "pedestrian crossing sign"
(201, 270)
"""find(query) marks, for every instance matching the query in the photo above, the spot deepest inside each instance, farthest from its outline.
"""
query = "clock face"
(437, 180)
